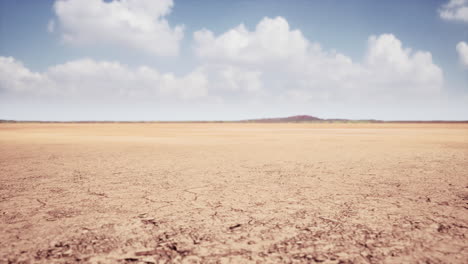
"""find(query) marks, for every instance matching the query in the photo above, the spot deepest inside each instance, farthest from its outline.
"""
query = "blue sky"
(192, 60)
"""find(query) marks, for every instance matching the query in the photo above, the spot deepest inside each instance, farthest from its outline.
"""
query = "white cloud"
(272, 39)
(138, 24)
(229, 78)
(456, 10)
(91, 79)
(272, 64)
(462, 48)
(237, 79)
(17, 78)
(396, 68)
(290, 64)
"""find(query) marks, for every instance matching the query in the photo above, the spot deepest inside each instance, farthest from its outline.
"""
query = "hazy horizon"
(104, 60)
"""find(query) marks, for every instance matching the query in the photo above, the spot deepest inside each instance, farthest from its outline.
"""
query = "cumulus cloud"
(398, 68)
(138, 24)
(462, 48)
(272, 39)
(273, 63)
(92, 79)
(109, 80)
(456, 10)
(230, 78)
(14, 77)
(290, 64)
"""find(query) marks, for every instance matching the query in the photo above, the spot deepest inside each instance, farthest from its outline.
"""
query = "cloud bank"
(269, 66)
(272, 62)
(455, 10)
(89, 79)
(137, 24)
(290, 64)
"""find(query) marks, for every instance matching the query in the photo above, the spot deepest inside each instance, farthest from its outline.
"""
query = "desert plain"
(233, 193)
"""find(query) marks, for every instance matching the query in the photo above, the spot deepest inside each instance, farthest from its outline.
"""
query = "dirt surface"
(218, 193)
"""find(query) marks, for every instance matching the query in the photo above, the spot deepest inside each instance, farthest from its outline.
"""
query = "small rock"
(67, 253)
(319, 258)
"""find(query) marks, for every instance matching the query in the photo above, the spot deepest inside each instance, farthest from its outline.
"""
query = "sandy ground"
(219, 193)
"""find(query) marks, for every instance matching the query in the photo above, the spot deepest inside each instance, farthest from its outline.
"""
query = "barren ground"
(217, 193)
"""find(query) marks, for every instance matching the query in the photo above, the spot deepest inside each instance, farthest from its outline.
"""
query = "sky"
(142, 60)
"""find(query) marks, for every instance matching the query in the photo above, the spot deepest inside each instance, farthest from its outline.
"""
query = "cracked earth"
(233, 193)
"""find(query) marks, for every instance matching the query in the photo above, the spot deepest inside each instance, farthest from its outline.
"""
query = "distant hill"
(313, 119)
(290, 119)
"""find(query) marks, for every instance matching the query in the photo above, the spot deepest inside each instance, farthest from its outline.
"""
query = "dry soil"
(217, 193)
